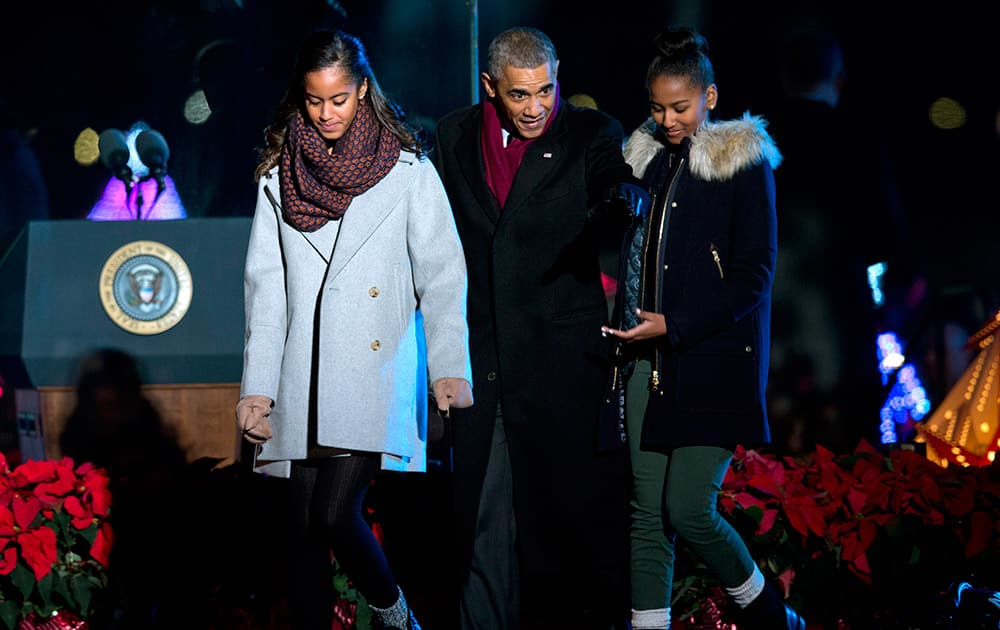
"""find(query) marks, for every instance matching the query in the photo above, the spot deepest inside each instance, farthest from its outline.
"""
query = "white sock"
(658, 619)
(395, 616)
(749, 590)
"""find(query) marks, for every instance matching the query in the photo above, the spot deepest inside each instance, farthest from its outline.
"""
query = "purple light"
(113, 206)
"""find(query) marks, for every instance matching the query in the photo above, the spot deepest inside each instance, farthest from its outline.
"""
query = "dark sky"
(109, 64)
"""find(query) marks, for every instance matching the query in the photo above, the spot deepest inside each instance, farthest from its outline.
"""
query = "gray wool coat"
(391, 306)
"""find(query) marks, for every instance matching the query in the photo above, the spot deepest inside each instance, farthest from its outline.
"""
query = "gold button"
(373, 292)
(665, 267)
(673, 204)
(376, 344)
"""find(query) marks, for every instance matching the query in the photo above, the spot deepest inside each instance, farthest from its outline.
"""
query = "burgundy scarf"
(502, 162)
(317, 186)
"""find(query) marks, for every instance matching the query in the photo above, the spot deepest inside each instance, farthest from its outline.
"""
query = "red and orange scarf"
(317, 186)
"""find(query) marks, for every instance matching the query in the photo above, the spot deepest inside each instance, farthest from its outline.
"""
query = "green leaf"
(62, 588)
(89, 534)
(81, 593)
(23, 579)
(45, 589)
(9, 613)
(363, 618)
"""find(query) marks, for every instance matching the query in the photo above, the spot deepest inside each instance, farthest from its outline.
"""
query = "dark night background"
(71, 66)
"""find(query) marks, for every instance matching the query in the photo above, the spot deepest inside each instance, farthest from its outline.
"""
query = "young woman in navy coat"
(694, 305)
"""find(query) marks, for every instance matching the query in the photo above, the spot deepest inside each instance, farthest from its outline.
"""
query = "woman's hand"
(650, 325)
(251, 416)
(451, 392)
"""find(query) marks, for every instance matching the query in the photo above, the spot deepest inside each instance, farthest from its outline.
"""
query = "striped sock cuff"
(655, 619)
(749, 590)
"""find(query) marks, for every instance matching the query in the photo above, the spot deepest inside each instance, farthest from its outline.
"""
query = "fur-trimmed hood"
(718, 151)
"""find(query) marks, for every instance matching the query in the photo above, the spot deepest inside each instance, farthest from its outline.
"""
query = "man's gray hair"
(520, 47)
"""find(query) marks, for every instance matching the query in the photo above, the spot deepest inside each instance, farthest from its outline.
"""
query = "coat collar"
(718, 151)
(366, 212)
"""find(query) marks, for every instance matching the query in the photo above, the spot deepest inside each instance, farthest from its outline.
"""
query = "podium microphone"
(154, 153)
(114, 155)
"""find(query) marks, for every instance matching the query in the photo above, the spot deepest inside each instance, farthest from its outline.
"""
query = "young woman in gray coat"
(694, 317)
(355, 299)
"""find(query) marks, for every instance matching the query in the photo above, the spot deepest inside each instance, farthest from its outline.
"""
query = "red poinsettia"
(831, 509)
(54, 537)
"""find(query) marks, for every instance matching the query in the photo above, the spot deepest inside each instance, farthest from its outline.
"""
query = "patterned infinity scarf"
(317, 186)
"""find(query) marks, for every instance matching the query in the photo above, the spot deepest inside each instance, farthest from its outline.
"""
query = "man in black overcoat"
(541, 513)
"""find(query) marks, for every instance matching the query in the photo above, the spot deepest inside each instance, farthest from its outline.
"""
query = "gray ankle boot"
(395, 617)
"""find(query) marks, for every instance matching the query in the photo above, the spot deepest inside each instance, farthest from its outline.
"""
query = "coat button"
(492, 376)
(749, 349)
(665, 267)
(673, 204)
(376, 344)
(373, 292)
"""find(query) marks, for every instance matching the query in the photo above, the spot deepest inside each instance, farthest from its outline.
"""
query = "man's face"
(526, 96)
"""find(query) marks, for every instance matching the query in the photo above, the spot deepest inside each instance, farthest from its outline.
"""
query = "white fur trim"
(718, 151)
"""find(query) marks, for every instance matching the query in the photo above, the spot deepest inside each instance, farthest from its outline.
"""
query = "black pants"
(325, 510)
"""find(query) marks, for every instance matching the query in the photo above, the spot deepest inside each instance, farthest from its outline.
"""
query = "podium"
(168, 293)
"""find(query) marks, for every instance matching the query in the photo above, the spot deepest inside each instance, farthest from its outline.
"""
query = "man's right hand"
(251, 417)
(637, 199)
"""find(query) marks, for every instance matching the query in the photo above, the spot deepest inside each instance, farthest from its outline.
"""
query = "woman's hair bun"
(680, 42)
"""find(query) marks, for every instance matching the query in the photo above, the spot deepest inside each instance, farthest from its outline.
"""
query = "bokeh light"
(85, 150)
(196, 108)
(947, 113)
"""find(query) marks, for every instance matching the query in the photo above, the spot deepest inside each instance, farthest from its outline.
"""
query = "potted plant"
(55, 539)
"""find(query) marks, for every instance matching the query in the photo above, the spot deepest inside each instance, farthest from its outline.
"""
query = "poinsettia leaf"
(23, 579)
(856, 500)
(88, 534)
(9, 614)
(746, 500)
(39, 549)
(81, 594)
(100, 549)
(25, 510)
(767, 483)
(796, 520)
(814, 520)
(62, 587)
(785, 578)
(45, 586)
(767, 521)
(980, 533)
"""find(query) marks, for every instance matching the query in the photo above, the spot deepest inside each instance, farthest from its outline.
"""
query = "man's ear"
(488, 84)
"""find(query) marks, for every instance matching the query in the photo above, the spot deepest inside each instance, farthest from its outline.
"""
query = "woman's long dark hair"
(323, 49)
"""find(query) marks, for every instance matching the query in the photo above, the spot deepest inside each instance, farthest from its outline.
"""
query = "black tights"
(326, 497)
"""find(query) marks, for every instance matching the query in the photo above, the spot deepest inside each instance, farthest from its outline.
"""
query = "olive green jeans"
(676, 494)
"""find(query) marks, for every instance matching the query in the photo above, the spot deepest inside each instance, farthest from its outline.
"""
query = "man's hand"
(637, 199)
(451, 392)
(251, 417)
(650, 325)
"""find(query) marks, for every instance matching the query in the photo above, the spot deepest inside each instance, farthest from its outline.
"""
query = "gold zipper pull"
(717, 259)
(654, 381)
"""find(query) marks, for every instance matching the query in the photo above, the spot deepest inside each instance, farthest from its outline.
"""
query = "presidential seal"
(145, 287)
